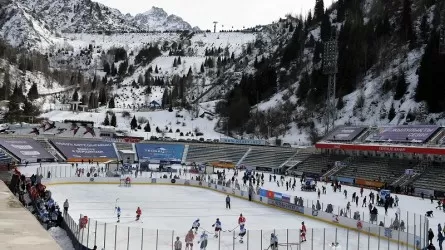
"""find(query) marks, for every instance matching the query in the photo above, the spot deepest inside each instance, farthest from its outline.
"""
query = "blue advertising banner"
(26, 150)
(80, 150)
(243, 141)
(262, 193)
(286, 205)
(171, 153)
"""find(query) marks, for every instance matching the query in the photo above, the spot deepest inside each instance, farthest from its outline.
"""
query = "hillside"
(265, 82)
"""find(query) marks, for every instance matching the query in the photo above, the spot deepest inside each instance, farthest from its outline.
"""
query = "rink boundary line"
(244, 198)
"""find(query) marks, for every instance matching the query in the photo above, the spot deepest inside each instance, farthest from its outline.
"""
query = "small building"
(127, 156)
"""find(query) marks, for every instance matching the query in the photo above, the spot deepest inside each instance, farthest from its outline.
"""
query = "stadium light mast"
(214, 26)
(330, 68)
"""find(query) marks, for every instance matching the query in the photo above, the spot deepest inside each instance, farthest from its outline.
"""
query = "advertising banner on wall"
(80, 150)
(26, 150)
(171, 153)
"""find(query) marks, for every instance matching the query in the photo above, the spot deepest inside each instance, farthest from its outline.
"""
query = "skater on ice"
(273, 242)
(303, 232)
(228, 202)
(189, 240)
(203, 241)
(217, 226)
(335, 245)
(138, 214)
(196, 225)
(242, 232)
(241, 220)
(118, 211)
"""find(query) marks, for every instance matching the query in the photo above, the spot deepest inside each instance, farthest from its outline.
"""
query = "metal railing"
(116, 236)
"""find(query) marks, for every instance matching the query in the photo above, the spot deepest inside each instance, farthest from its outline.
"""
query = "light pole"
(330, 58)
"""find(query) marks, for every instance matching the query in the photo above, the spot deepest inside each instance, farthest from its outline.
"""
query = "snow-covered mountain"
(38, 23)
(158, 19)
(20, 29)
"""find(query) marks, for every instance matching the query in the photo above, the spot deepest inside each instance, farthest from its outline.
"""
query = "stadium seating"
(268, 157)
(48, 147)
(213, 152)
(432, 178)
(376, 168)
(317, 164)
(300, 156)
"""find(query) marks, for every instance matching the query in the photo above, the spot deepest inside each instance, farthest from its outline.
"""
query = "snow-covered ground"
(60, 236)
(160, 119)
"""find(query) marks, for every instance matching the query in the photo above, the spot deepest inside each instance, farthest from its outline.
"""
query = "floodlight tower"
(214, 26)
(330, 58)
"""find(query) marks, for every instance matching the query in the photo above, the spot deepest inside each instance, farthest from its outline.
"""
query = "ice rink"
(168, 208)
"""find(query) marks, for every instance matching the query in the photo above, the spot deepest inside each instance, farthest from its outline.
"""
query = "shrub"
(142, 119)
(126, 114)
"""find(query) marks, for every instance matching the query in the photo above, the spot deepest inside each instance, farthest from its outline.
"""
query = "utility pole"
(214, 26)
(330, 68)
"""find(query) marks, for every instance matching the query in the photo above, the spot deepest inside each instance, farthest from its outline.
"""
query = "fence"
(109, 236)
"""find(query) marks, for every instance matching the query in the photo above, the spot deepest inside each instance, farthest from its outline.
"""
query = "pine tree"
(325, 28)
(340, 103)
(175, 63)
(156, 70)
(430, 87)
(318, 10)
(133, 123)
(106, 121)
(179, 61)
(29, 110)
(111, 104)
(341, 11)
(75, 97)
(202, 68)
(107, 68)
(113, 120)
(391, 113)
(6, 83)
(401, 87)
(33, 92)
(147, 127)
(102, 96)
(424, 28)
(406, 30)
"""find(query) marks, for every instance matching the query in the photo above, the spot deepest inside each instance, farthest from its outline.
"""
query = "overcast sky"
(202, 13)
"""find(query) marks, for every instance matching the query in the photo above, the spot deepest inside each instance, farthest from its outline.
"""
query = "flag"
(270, 194)
(263, 193)
(277, 196)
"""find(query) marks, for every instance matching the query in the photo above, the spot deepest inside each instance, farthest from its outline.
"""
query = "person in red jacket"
(241, 220)
(303, 232)
(138, 213)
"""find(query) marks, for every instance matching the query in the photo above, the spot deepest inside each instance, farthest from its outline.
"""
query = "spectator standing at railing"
(430, 236)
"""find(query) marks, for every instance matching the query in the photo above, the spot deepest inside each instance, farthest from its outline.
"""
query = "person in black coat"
(430, 236)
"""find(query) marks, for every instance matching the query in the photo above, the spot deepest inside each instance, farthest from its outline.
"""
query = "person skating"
(430, 236)
(242, 232)
(189, 240)
(364, 202)
(118, 212)
(241, 220)
(138, 213)
(196, 225)
(218, 227)
(228, 202)
(273, 242)
(440, 239)
(203, 241)
(303, 232)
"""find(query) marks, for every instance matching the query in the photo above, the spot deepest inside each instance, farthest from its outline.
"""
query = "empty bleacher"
(48, 147)
(268, 157)
(318, 163)
(432, 178)
(376, 168)
(298, 157)
(213, 152)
